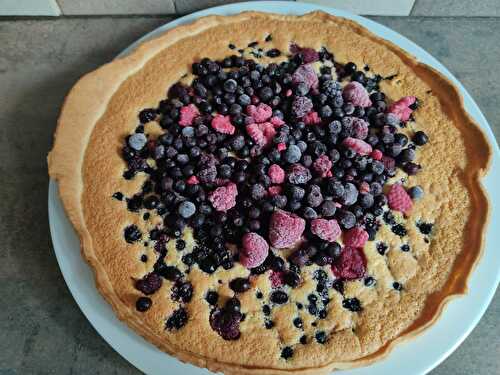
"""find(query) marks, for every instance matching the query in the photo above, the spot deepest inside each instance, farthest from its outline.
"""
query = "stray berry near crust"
(255, 159)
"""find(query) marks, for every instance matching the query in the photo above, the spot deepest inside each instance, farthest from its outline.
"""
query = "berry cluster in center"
(268, 157)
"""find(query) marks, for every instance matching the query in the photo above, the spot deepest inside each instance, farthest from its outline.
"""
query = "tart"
(265, 194)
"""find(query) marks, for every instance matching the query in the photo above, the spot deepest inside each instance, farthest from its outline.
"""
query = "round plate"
(431, 348)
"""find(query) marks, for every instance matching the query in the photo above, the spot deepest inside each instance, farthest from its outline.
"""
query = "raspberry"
(224, 197)
(301, 106)
(193, 180)
(309, 55)
(281, 146)
(351, 264)
(285, 229)
(359, 128)
(274, 190)
(222, 124)
(276, 278)
(398, 199)
(297, 174)
(322, 165)
(376, 154)
(328, 230)
(355, 237)
(259, 113)
(356, 93)
(188, 113)
(276, 173)
(288, 92)
(305, 74)
(357, 145)
(262, 134)
(312, 118)
(254, 251)
(401, 108)
(276, 121)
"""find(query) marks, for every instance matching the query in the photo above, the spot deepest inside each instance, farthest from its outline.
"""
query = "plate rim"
(285, 7)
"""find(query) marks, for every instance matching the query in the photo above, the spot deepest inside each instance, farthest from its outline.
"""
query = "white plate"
(431, 348)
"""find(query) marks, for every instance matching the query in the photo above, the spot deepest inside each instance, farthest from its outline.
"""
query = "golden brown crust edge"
(88, 99)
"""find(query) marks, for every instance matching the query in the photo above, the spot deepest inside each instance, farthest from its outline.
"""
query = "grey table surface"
(42, 328)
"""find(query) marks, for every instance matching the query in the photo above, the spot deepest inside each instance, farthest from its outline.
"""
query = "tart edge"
(87, 102)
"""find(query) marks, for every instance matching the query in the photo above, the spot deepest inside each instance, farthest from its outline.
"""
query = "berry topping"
(254, 250)
(357, 145)
(177, 320)
(402, 108)
(285, 229)
(352, 304)
(301, 106)
(308, 55)
(143, 304)
(276, 278)
(224, 197)
(305, 74)
(398, 198)
(187, 114)
(260, 113)
(351, 264)
(222, 124)
(149, 283)
(276, 173)
(322, 166)
(297, 174)
(137, 141)
(356, 93)
(132, 233)
(226, 323)
(328, 230)
(355, 237)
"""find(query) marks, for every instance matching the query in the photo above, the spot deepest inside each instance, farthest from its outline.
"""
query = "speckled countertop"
(43, 331)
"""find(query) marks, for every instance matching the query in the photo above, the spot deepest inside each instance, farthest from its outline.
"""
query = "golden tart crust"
(102, 109)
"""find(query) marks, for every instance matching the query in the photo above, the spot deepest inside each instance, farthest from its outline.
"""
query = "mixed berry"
(295, 154)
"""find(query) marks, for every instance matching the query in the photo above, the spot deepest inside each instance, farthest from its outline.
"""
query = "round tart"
(265, 194)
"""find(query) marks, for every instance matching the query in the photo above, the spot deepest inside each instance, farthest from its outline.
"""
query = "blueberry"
(292, 279)
(137, 141)
(233, 305)
(297, 322)
(169, 272)
(327, 209)
(293, 154)
(407, 155)
(321, 337)
(132, 234)
(182, 291)
(350, 194)
(336, 189)
(420, 138)
(287, 352)
(369, 281)
(239, 285)
(279, 297)
(143, 304)
(416, 192)
(147, 115)
(309, 213)
(352, 304)
(347, 219)
(177, 320)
